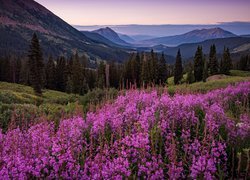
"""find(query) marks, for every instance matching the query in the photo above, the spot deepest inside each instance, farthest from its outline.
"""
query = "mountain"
(19, 19)
(235, 44)
(126, 38)
(95, 37)
(111, 35)
(190, 37)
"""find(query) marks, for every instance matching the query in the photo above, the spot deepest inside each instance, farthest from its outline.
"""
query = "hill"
(190, 37)
(235, 45)
(111, 35)
(19, 19)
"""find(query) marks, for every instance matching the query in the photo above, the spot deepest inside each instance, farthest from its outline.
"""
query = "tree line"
(73, 75)
(202, 67)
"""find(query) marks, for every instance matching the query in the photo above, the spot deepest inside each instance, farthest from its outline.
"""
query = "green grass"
(235, 77)
(240, 73)
(20, 103)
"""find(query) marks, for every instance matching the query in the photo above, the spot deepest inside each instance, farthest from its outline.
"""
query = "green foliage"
(18, 102)
(240, 73)
(198, 64)
(36, 65)
(178, 70)
(213, 62)
(97, 96)
(205, 71)
(226, 62)
(203, 87)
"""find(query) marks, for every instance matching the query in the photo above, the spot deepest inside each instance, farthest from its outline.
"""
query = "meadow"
(149, 134)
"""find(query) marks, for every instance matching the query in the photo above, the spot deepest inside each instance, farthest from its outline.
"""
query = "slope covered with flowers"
(142, 134)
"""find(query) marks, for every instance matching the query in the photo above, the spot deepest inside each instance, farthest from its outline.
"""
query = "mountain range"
(19, 19)
(197, 35)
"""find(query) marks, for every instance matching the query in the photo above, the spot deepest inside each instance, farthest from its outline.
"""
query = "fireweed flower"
(140, 135)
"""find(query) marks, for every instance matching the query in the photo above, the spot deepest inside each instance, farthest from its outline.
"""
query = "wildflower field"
(142, 134)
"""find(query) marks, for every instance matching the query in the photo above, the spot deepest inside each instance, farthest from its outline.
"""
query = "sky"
(148, 12)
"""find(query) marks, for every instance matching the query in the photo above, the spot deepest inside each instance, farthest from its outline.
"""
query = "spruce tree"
(198, 64)
(77, 75)
(145, 72)
(61, 78)
(213, 63)
(190, 74)
(205, 71)
(162, 70)
(101, 75)
(50, 74)
(36, 65)
(178, 70)
(226, 62)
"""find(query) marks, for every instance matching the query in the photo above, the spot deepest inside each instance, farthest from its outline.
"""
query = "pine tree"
(61, 78)
(50, 74)
(137, 70)
(213, 63)
(178, 70)
(198, 64)
(162, 70)
(77, 75)
(190, 74)
(153, 67)
(36, 65)
(24, 73)
(101, 75)
(226, 62)
(145, 72)
(205, 71)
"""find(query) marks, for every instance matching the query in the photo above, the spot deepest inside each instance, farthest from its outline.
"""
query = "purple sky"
(113, 12)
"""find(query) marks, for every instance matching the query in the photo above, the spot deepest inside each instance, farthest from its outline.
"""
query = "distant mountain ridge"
(194, 36)
(235, 45)
(111, 35)
(19, 19)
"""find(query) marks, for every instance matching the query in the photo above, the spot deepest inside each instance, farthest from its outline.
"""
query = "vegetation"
(178, 70)
(141, 135)
(36, 66)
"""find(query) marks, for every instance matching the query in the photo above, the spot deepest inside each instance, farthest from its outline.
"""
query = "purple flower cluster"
(140, 135)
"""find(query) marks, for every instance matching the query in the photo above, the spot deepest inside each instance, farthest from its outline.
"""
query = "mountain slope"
(188, 50)
(111, 35)
(190, 37)
(19, 19)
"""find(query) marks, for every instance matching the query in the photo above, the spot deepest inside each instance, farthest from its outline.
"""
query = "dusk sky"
(114, 12)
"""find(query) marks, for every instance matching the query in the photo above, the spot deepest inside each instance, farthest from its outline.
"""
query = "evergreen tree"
(101, 75)
(24, 73)
(137, 70)
(190, 74)
(205, 71)
(162, 70)
(198, 64)
(50, 74)
(61, 78)
(36, 65)
(244, 63)
(226, 62)
(213, 63)
(145, 72)
(178, 70)
(77, 75)
(153, 67)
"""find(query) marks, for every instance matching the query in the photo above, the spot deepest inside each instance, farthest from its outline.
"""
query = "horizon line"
(217, 23)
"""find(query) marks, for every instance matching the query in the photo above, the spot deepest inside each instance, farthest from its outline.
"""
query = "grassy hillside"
(236, 76)
(20, 103)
